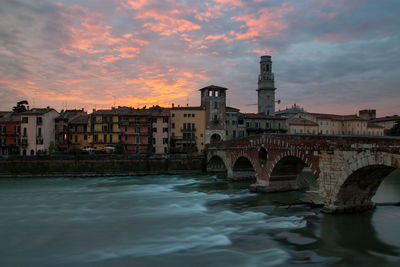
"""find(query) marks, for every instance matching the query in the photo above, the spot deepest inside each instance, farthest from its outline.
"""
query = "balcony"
(188, 129)
(181, 140)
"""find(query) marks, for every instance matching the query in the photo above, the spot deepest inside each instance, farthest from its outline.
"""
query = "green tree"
(20, 107)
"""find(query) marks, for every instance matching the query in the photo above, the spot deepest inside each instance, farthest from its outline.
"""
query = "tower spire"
(266, 87)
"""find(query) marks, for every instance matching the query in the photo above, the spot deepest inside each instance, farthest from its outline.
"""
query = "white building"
(38, 130)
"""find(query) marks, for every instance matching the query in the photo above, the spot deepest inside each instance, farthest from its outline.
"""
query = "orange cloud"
(167, 24)
(266, 23)
(92, 36)
(219, 37)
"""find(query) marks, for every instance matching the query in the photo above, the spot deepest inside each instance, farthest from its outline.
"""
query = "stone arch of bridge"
(216, 163)
(362, 179)
(243, 167)
(294, 169)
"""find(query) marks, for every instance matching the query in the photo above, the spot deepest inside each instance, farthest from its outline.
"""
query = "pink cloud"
(266, 23)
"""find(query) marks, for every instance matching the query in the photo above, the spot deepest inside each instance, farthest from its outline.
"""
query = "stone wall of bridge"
(348, 170)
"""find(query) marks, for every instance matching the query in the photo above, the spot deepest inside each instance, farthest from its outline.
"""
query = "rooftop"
(387, 118)
(82, 119)
(261, 116)
(301, 121)
(213, 87)
(38, 111)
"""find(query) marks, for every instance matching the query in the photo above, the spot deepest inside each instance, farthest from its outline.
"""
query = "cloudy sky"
(333, 56)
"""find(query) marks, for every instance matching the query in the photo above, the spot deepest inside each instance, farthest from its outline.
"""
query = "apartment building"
(38, 130)
(10, 134)
(187, 129)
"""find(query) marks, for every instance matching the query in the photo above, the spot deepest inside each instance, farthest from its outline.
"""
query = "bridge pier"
(348, 208)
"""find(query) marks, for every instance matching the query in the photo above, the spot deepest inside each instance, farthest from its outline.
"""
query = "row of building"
(178, 129)
(167, 130)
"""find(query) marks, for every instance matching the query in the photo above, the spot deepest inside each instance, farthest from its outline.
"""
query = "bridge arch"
(216, 164)
(295, 171)
(243, 168)
(363, 178)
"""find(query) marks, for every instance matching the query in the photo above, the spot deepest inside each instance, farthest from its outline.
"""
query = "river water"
(185, 220)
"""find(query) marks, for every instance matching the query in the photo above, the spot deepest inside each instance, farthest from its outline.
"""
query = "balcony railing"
(188, 129)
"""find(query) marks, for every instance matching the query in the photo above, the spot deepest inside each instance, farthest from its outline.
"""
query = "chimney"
(173, 105)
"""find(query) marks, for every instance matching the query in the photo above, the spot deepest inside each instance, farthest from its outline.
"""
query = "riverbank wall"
(98, 165)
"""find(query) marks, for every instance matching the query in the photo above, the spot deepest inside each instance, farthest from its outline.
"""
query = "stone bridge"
(347, 170)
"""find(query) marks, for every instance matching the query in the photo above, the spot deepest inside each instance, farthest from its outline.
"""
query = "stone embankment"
(98, 165)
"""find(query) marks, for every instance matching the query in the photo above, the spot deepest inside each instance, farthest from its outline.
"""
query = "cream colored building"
(187, 129)
(38, 130)
(302, 126)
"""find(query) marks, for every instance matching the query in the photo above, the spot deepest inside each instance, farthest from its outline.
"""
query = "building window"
(137, 130)
(320, 123)
(126, 138)
(165, 130)
(105, 138)
(165, 119)
(76, 138)
(172, 115)
(327, 132)
(154, 141)
(193, 115)
(241, 133)
(24, 120)
(327, 123)
(301, 130)
(185, 115)
(165, 141)
(193, 126)
(95, 138)
(216, 105)
(137, 140)
(173, 125)
(39, 133)
(85, 137)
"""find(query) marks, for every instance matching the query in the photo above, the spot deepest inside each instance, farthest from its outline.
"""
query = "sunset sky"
(332, 56)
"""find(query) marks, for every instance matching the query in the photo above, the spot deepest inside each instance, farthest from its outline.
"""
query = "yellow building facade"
(103, 129)
(187, 129)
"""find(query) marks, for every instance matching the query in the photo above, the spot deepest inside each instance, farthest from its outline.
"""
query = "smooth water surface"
(185, 220)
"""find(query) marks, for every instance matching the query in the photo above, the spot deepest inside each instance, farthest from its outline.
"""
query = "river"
(185, 220)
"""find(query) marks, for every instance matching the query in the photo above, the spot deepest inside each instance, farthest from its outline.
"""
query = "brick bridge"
(347, 170)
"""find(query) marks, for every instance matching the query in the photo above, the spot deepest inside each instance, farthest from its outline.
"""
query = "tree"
(20, 107)
(395, 131)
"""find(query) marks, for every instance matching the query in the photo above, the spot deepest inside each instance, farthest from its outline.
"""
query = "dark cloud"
(86, 52)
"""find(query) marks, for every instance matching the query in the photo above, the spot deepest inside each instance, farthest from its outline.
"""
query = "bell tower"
(266, 87)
